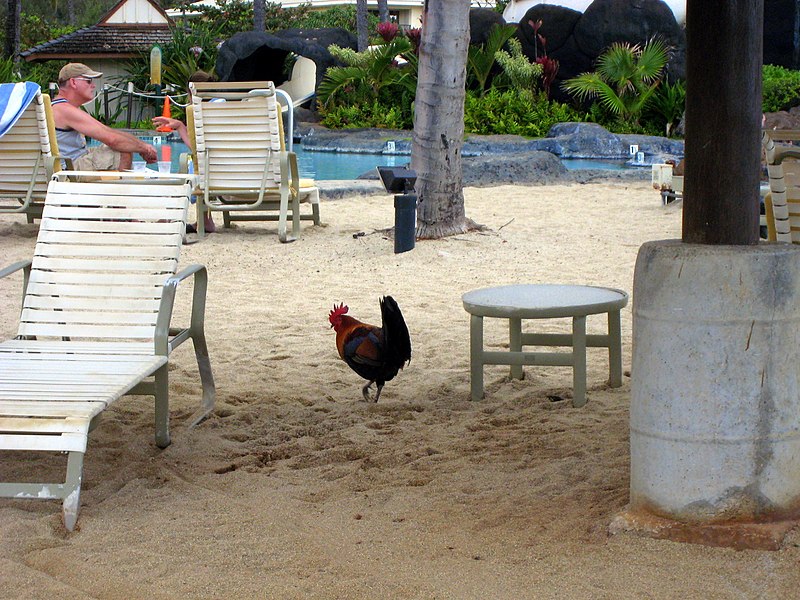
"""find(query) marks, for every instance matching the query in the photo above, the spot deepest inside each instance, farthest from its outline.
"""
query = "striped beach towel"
(14, 99)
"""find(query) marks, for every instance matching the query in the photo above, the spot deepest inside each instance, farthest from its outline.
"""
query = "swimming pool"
(313, 165)
(324, 166)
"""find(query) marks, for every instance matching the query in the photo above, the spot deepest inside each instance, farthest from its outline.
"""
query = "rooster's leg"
(378, 394)
(365, 391)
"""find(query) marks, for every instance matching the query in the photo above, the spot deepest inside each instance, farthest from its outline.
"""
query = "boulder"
(481, 21)
(585, 140)
(779, 34)
(783, 119)
(521, 168)
(260, 56)
(558, 23)
(634, 21)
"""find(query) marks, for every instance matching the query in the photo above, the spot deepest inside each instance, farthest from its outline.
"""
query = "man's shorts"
(98, 158)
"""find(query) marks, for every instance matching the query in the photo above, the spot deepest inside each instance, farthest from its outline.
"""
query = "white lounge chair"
(243, 167)
(782, 202)
(302, 85)
(95, 320)
(28, 158)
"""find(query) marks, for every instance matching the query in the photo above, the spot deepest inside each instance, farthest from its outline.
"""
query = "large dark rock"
(521, 168)
(260, 56)
(481, 21)
(784, 119)
(634, 21)
(779, 33)
(558, 23)
(584, 140)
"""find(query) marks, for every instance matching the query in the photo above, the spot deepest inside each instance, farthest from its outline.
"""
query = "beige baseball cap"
(71, 70)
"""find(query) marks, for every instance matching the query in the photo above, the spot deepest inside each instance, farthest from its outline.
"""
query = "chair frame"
(29, 201)
(782, 202)
(234, 201)
(37, 414)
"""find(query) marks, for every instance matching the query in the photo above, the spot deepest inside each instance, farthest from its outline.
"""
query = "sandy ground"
(295, 488)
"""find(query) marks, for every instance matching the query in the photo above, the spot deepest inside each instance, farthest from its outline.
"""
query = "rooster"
(375, 353)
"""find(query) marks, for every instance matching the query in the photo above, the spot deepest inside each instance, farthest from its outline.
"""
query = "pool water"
(573, 164)
(340, 165)
(313, 165)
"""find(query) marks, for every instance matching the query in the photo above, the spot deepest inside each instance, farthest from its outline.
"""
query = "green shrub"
(626, 78)
(780, 88)
(521, 72)
(337, 16)
(374, 114)
(41, 73)
(514, 112)
(667, 106)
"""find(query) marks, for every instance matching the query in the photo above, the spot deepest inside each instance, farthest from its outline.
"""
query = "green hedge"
(780, 88)
(514, 112)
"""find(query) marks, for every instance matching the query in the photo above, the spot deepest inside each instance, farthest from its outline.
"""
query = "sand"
(295, 488)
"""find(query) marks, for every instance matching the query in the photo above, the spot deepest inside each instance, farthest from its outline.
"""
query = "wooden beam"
(723, 121)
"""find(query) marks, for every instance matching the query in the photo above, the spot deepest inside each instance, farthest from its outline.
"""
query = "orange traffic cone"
(165, 113)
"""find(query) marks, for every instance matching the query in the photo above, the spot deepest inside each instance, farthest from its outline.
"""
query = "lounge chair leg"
(72, 489)
(162, 407)
(315, 212)
(206, 379)
(226, 219)
(296, 216)
(283, 217)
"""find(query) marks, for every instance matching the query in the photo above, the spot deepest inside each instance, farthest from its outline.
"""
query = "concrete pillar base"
(740, 536)
(715, 394)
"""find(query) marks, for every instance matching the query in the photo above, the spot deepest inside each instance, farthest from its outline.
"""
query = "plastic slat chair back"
(102, 256)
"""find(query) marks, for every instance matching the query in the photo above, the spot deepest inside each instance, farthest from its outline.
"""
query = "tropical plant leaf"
(337, 80)
(480, 59)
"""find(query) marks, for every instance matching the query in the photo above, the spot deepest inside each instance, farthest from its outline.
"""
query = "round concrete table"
(517, 302)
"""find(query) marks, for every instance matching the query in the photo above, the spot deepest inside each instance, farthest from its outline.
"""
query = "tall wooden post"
(724, 41)
(714, 458)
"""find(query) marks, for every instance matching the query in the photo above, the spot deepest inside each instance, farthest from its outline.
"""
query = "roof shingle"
(124, 41)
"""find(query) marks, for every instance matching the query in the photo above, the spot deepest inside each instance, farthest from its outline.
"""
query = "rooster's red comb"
(338, 311)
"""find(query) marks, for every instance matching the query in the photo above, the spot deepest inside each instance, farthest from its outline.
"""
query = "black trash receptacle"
(405, 222)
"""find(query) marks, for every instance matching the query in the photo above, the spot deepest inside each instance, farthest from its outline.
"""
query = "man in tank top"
(77, 85)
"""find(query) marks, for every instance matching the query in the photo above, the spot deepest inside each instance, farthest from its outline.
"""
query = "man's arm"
(70, 116)
(175, 124)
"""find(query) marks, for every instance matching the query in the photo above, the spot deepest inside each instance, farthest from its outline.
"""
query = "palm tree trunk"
(362, 24)
(383, 11)
(11, 48)
(259, 10)
(439, 119)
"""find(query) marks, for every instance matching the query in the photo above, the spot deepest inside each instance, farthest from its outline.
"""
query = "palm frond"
(337, 79)
(652, 60)
(584, 86)
(480, 59)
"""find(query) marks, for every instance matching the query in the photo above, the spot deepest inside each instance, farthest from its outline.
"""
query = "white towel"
(14, 99)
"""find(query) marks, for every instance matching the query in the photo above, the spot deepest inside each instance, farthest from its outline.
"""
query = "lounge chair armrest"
(163, 344)
(13, 268)
(294, 171)
(53, 165)
(25, 267)
(782, 152)
(183, 162)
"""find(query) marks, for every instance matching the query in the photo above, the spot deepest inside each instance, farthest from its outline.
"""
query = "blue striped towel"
(14, 99)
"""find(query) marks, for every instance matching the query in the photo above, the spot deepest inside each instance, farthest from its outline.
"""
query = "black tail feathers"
(396, 339)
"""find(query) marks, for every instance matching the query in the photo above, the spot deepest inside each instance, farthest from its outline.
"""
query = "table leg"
(614, 349)
(476, 357)
(578, 361)
(515, 344)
